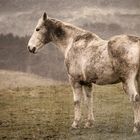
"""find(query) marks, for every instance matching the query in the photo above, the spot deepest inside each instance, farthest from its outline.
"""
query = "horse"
(91, 60)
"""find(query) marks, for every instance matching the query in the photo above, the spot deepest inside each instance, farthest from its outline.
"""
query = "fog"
(20, 16)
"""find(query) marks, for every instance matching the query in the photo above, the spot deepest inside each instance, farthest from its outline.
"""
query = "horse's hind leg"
(87, 90)
(136, 107)
(130, 87)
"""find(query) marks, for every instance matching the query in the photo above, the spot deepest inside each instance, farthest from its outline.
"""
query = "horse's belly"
(103, 77)
(101, 72)
(110, 79)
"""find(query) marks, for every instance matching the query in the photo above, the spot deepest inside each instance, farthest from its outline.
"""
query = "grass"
(46, 113)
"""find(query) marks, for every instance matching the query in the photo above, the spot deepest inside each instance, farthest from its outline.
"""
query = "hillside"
(11, 79)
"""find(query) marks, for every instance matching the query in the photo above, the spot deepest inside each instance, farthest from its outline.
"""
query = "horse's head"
(41, 35)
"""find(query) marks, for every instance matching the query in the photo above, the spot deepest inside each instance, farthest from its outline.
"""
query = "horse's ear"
(45, 16)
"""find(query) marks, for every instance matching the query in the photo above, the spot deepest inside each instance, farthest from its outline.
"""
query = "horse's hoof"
(89, 124)
(135, 131)
(75, 125)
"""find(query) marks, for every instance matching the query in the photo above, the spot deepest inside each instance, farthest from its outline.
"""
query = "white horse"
(90, 59)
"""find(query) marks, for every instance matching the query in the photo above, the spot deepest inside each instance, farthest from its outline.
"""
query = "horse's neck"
(71, 33)
(64, 44)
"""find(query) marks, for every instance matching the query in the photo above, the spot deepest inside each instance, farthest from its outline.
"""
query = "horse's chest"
(74, 68)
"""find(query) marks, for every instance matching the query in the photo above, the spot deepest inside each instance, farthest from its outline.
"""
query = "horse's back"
(124, 51)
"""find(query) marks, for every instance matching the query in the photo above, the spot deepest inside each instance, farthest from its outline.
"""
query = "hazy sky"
(20, 16)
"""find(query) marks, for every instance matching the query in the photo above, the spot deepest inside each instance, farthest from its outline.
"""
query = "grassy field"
(46, 113)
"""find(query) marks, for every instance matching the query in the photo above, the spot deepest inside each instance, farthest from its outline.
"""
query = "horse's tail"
(138, 78)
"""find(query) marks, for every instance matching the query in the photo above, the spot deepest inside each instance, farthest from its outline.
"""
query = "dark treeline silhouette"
(15, 56)
(105, 30)
(10, 39)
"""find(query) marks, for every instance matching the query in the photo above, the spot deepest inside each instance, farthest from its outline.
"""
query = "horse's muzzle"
(32, 50)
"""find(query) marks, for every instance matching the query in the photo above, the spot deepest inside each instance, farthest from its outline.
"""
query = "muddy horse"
(90, 59)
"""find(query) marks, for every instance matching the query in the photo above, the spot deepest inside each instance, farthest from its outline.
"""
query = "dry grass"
(44, 113)
(13, 79)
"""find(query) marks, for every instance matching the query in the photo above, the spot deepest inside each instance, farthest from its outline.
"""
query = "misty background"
(18, 18)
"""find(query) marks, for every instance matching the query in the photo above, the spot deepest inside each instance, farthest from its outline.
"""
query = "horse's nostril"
(33, 50)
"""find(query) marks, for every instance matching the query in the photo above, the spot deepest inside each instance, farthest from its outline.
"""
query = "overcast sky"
(20, 16)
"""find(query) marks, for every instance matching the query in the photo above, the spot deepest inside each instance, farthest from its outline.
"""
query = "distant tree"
(14, 56)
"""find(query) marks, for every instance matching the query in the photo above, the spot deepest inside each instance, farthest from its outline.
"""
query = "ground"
(46, 113)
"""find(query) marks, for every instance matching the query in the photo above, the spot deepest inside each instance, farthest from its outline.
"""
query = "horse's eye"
(37, 29)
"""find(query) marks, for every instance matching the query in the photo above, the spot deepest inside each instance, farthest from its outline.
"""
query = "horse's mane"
(65, 24)
(72, 27)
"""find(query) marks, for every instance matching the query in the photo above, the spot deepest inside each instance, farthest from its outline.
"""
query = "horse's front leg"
(88, 99)
(77, 95)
